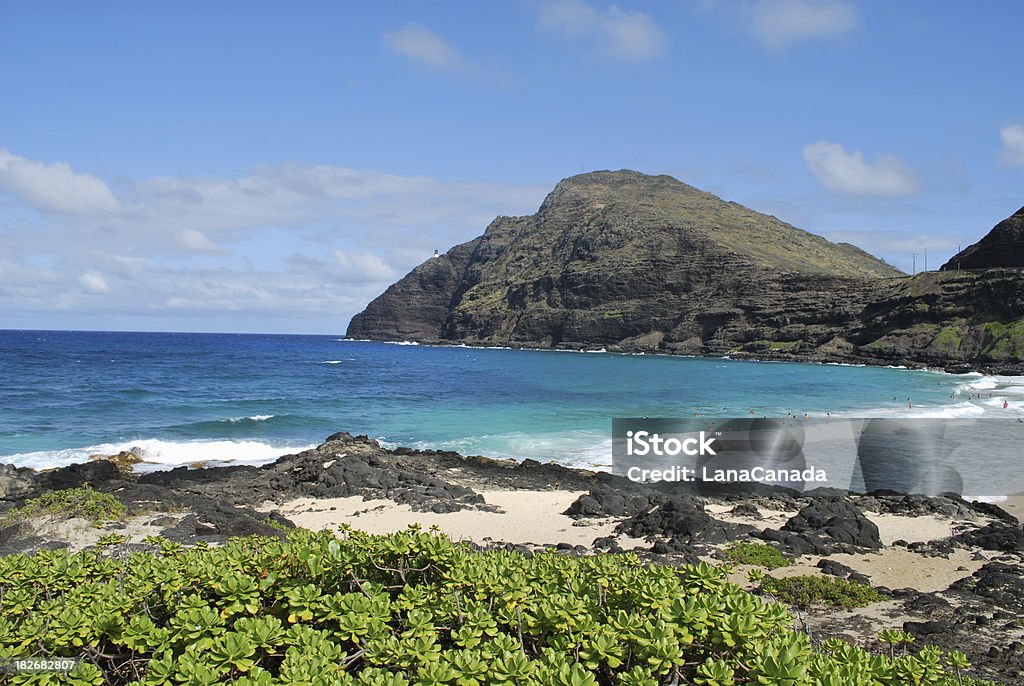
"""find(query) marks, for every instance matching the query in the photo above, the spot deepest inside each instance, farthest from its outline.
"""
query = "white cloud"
(195, 241)
(780, 23)
(359, 267)
(93, 282)
(631, 36)
(54, 187)
(1013, 144)
(419, 43)
(847, 172)
(290, 247)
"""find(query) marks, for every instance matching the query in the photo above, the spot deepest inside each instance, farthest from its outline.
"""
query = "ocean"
(185, 398)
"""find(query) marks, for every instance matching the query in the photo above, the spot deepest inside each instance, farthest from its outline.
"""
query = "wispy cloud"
(93, 282)
(629, 36)
(290, 247)
(1013, 144)
(360, 267)
(196, 241)
(779, 24)
(422, 45)
(849, 173)
(54, 187)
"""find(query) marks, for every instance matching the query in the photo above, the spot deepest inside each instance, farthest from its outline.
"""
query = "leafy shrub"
(807, 590)
(73, 502)
(408, 609)
(758, 554)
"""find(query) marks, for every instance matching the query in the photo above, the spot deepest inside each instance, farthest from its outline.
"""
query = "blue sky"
(272, 167)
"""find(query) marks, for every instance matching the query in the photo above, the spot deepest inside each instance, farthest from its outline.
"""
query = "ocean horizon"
(209, 398)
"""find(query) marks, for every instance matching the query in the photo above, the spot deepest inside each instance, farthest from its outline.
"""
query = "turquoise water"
(183, 398)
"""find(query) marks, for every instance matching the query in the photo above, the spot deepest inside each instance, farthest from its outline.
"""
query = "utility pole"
(926, 259)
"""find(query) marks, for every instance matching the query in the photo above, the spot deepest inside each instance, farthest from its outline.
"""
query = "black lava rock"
(1006, 538)
(825, 526)
(683, 521)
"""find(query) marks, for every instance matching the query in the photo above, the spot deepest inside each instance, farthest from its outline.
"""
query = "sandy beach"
(536, 518)
(527, 517)
(1014, 504)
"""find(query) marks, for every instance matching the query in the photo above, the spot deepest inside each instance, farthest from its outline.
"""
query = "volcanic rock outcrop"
(1003, 246)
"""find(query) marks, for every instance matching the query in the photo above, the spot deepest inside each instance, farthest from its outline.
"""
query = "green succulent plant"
(415, 609)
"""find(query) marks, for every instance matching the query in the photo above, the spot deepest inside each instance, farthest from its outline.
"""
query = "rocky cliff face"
(1002, 247)
(638, 263)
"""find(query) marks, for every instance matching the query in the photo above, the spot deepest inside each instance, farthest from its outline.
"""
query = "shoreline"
(962, 367)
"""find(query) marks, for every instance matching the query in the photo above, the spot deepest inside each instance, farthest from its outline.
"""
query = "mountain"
(641, 263)
(1003, 246)
(606, 253)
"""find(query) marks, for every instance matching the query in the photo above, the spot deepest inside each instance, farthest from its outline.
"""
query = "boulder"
(77, 475)
(125, 460)
(825, 526)
(682, 521)
(17, 483)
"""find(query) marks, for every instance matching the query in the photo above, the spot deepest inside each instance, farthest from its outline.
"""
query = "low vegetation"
(1004, 341)
(72, 502)
(411, 608)
(802, 591)
(757, 554)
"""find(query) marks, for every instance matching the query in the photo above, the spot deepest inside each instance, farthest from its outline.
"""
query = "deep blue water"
(185, 397)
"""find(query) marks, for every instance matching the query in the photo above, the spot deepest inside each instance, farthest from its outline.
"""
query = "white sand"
(526, 517)
(1014, 505)
(912, 529)
(890, 527)
(897, 568)
(770, 519)
(535, 517)
(891, 567)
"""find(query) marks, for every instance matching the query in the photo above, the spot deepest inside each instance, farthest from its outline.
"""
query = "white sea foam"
(159, 454)
(578, 448)
(984, 383)
(997, 395)
(331, 362)
(986, 498)
(953, 411)
(251, 418)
